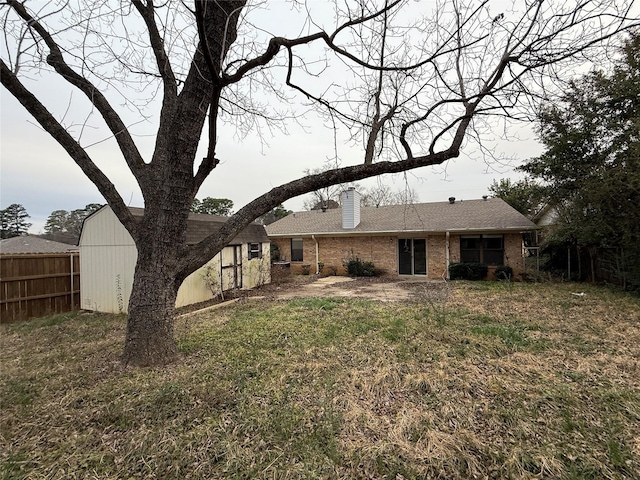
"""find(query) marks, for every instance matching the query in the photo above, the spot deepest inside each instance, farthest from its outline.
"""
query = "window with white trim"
(255, 250)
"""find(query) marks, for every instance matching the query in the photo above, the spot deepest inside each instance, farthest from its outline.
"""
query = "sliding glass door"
(412, 256)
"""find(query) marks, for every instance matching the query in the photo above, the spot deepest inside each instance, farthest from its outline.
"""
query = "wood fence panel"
(34, 285)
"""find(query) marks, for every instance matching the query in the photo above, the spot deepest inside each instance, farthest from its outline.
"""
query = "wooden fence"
(34, 285)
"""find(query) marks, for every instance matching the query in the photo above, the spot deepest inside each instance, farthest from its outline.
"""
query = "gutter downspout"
(317, 257)
(446, 247)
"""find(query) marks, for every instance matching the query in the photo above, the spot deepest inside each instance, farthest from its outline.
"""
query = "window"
(255, 250)
(471, 249)
(296, 249)
(493, 249)
(412, 256)
(487, 249)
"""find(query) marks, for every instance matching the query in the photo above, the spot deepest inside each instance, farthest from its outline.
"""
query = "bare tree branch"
(165, 71)
(56, 60)
(261, 205)
(73, 148)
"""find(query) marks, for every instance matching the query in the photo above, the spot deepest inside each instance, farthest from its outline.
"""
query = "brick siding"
(382, 251)
(333, 251)
(513, 252)
(436, 256)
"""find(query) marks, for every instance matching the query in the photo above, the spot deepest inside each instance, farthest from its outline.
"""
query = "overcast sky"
(37, 173)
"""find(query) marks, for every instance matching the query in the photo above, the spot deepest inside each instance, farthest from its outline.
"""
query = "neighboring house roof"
(201, 226)
(492, 214)
(29, 244)
(62, 237)
(547, 216)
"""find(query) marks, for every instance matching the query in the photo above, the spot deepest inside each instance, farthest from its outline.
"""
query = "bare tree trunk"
(149, 339)
(621, 268)
(161, 236)
(579, 255)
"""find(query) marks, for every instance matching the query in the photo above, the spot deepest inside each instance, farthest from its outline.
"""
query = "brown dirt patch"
(384, 289)
(376, 288)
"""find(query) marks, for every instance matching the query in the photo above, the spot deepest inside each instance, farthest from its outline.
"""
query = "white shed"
(108, 258)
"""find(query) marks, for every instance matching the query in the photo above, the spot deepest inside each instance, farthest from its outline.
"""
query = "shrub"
(332, 270)
(275, 252)
(280, 274)
(359, 268)
(468, 271)
(306, 269)
(504, 272)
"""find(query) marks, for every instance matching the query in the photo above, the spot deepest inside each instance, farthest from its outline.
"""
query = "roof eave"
(519, 228)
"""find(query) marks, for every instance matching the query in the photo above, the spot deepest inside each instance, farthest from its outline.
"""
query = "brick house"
(419, 239)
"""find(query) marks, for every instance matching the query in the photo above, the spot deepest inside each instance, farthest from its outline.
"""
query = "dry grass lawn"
(480, 380)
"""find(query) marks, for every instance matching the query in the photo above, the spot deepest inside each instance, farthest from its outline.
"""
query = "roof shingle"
(30, 244)
(492, 214)
(201, 226)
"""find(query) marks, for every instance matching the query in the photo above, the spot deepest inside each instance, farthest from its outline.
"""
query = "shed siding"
(196, 287)
(107, 264)
(257, 271)
(104, 229)
(106, 277)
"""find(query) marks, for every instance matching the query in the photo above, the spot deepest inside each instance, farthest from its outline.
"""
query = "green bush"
(504, 272)
(359, 268)
(275, 253)
(468, 271)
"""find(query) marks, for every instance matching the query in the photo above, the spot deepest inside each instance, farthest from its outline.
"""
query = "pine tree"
(14, 221)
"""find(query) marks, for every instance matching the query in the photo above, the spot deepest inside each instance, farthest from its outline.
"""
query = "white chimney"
(350, 208)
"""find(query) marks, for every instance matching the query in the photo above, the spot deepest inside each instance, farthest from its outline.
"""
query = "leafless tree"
(326, 197)
(377, 196)
(419, 87)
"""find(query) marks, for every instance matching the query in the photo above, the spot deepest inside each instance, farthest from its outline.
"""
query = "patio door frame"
(412, 256)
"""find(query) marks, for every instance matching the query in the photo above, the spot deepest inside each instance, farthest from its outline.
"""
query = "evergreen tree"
(592, 168)
(274, 214)
(64, 226)
(212, 206)
(527, 196)
(13, 221)
(56, 222)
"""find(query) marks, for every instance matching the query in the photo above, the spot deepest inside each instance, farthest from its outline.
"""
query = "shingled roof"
(492, 214)
(201, 226)
(25, 244)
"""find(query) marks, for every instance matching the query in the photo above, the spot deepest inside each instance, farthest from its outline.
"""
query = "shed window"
(255, 250)
(296, 249)
(487, 249)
